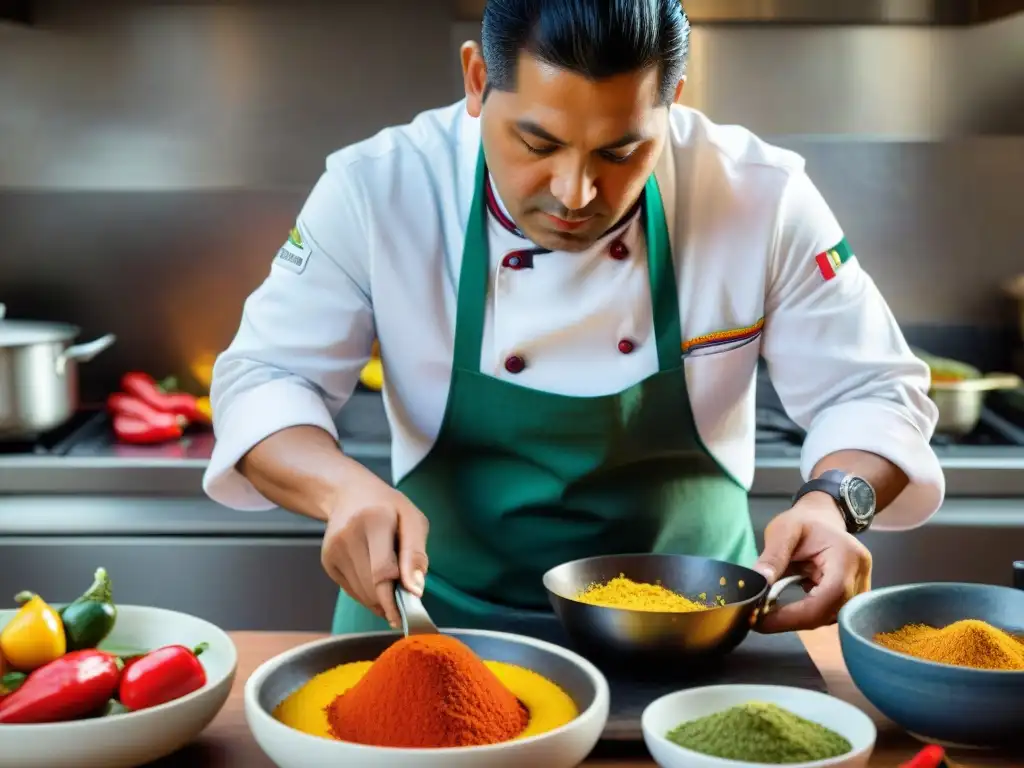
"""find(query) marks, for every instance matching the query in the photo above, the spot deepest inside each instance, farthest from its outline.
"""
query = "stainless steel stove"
(89, 434)
(999, 428)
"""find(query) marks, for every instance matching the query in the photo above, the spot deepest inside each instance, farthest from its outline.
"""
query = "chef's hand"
(811, 539)
(374, 536)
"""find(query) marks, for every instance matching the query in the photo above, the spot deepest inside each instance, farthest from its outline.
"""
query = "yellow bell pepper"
(204, 407)
(372, 375)
(35, 636)
(202, 369)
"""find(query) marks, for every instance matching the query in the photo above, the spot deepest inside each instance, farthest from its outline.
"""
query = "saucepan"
(960, 402)
(39, 374)
(740, 598)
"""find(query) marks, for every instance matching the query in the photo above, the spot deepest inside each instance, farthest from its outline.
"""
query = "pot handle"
(83, 353)
(987, 383)
(1003, 381)
(774, 593)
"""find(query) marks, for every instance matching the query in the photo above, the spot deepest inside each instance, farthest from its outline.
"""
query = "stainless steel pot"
(39, 375)
(960, 402)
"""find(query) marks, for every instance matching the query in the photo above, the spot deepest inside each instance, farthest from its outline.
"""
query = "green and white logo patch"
(294, 254)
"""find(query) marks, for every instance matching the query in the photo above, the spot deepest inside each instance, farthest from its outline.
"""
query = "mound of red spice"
(427, 691)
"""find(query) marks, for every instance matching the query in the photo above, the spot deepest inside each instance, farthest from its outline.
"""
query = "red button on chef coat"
(515, 364)
(619, 250)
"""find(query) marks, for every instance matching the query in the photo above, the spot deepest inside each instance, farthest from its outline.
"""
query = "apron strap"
(474, 284)
(662, 272)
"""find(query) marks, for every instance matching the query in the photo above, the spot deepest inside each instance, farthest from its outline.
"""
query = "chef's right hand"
(374, 536)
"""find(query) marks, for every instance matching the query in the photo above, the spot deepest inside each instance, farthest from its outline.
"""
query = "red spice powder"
(427, 691)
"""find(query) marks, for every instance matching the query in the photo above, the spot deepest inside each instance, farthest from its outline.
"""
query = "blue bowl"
(936, 702)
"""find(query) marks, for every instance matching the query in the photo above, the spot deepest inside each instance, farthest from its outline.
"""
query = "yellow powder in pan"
(621, 592)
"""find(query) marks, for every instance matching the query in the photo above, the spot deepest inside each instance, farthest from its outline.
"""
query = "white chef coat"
(377, 255)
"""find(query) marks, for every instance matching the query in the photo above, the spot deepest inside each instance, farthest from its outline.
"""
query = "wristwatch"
(853, 495)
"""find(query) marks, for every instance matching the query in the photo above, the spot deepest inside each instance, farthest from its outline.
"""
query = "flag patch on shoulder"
(294, 254)
(831, 260)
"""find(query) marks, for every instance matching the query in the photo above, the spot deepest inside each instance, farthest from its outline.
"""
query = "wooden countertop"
(227, 742)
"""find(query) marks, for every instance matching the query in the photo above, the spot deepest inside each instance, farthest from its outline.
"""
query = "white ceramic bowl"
(664, 714)
(564, 747)
(135, 738)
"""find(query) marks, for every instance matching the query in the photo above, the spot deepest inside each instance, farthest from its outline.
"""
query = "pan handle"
(83, 353)
(776, 591)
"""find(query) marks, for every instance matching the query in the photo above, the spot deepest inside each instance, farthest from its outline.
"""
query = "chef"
(571, 279)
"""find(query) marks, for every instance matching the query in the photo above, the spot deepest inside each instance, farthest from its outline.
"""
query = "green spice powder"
(759, 733)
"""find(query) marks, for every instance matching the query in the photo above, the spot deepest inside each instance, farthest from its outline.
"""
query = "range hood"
(826, 12)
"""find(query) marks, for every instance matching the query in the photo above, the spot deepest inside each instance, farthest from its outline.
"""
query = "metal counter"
(971, 471)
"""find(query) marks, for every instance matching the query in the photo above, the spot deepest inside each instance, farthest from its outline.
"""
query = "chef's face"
(568, 156)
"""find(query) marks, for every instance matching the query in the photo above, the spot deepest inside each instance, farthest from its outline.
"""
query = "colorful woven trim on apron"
(733, 336)
(831, 260)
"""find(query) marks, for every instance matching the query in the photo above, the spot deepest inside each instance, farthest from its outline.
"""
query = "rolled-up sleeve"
(305, 334)
(838, 359)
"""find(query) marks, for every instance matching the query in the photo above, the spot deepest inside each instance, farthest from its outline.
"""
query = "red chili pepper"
(67, 688)
(138, 432)
(146, 388)
(162, 675)
(932, 756)
(128, 405)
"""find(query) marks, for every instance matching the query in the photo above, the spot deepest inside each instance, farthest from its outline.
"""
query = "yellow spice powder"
(621, 592)
(967, 643)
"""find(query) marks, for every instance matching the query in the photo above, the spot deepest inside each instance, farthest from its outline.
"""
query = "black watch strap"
(835, 483)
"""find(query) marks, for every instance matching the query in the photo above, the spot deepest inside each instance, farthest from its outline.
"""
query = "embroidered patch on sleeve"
(831, 260)
(737, 336)
(294, 254)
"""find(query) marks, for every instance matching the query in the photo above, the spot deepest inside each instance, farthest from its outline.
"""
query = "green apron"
(520, 481)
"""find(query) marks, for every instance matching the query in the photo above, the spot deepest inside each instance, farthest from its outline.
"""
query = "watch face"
(861, 498)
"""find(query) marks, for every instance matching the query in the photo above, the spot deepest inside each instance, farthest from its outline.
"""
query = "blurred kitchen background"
(153, 156)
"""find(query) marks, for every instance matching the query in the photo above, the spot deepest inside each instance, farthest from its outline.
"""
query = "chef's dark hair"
(594, 38)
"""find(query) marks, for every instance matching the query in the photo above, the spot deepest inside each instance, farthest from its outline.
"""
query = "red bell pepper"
(148, 389)
(162, 675)
(932, 756)
(73, 686)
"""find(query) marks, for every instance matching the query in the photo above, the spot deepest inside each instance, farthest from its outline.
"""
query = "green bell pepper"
(90, 618)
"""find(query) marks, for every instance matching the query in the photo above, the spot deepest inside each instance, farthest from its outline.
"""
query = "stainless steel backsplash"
(153, 157)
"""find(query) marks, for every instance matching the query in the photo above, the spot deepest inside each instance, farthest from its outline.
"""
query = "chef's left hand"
(811, 539)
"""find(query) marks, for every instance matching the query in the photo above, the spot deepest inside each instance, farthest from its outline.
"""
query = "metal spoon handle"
(415, 619)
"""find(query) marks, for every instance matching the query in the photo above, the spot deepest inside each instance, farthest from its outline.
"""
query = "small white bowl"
(664, 714)
(564, 747)
(134, 738)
